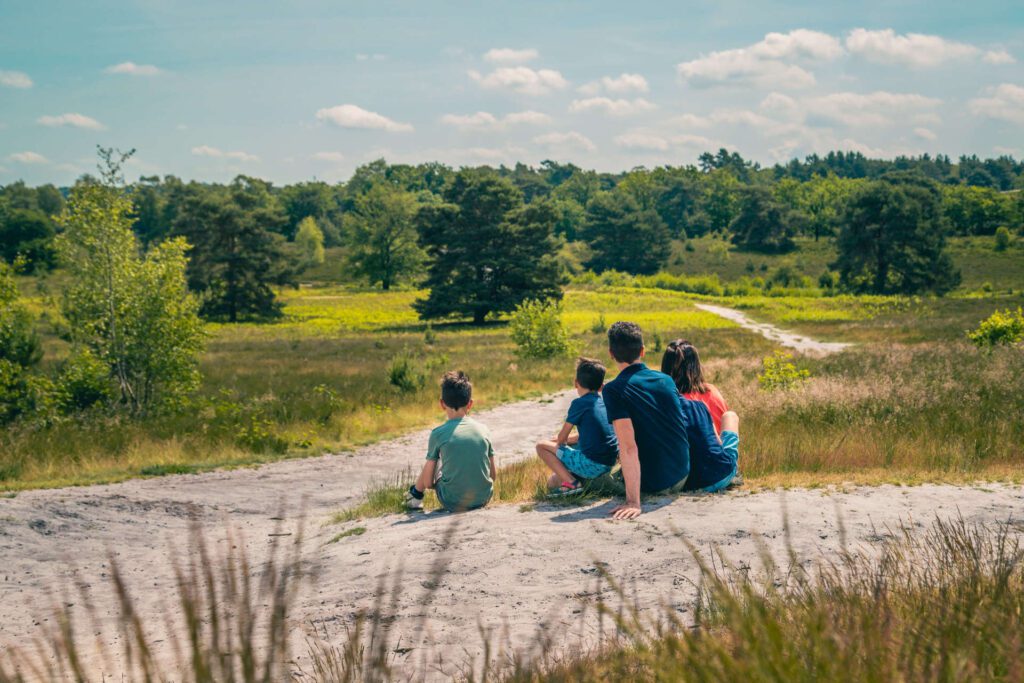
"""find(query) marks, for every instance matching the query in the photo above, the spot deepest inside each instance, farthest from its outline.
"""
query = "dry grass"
(942, 604)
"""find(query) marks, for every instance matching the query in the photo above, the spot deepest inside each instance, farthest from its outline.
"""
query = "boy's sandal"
(568, 488)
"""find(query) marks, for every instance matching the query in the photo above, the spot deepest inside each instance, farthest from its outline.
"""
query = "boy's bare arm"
(563, 436)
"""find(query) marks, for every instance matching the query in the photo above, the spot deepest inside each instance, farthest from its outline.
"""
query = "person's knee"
(730, 422)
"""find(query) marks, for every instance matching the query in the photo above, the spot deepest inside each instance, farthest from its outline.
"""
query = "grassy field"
(912, 401)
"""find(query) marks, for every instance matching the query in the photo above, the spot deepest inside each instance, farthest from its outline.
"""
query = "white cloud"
(763, 63)
(330, 157)
(15, 79)
(643, 140)
(521, 79)
(572, 139)
(911, 49)
(215, 153)
(624, 83)
(637, 140)
(70, 119)
(1005, 103)
(619, 107)
(871, 109)
(375, 57)
(999, 57)
(133, 69)
(351, 116)
(925, 134)
(691, 121)
(508, 55)
(483, 120)
(29, 158)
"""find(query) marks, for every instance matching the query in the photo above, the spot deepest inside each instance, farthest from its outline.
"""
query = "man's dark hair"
(590, 373)
(456, 389)
(625, 341)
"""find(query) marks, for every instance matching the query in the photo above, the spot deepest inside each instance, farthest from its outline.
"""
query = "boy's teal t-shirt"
(463, 447)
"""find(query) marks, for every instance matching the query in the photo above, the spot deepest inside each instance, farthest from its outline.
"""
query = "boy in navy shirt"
(596, 446)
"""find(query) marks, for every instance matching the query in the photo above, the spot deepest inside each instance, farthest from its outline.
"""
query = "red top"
(715, 402)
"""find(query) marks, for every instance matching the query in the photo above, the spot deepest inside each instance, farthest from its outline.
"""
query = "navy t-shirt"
(708, 462)
(650, 399)
(597, 438)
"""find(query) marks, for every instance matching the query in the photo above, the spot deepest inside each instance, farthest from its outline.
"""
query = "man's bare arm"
(629, 459)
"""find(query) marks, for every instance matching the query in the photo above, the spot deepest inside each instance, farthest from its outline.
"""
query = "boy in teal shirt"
(460, 459)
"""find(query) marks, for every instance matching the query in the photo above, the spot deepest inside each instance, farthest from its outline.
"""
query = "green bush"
(22, 392)
(84, 382)
(538, 331)
(404, 374)
(779, 372)
(1002, 328)
(1002, 238)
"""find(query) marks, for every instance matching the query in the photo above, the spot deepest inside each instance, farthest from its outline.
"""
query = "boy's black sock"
(415, 492)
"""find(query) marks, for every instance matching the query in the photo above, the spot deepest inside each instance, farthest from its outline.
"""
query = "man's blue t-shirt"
(597, 438)
(709, 463)
(650, 399)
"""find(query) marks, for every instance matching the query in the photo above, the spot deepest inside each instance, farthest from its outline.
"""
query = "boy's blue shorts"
(731, 446)
(579, 464)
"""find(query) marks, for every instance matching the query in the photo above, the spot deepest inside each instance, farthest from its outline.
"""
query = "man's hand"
(627, 511)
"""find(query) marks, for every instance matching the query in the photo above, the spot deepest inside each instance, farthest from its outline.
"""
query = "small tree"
(382, 236)
(893, 239)
(310, 241)
(132, 312)
(1002, 238)
(538, 331)
(1002, 328)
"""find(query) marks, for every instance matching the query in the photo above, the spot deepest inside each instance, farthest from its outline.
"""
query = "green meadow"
(912, 400)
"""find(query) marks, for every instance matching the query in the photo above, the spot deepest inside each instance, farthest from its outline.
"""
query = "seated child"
(460, 459)
(596, 445)
(714, 459)
(682, 364)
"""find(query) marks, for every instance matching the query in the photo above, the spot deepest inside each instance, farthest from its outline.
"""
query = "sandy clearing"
(509, 569)
(791, 340)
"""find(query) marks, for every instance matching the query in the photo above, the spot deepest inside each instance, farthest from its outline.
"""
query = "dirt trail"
(509, 567)
(799, 342)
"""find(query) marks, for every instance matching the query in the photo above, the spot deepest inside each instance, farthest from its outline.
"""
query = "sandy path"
(791, 340)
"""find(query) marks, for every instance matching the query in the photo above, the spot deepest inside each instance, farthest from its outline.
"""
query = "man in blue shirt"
(643, 407)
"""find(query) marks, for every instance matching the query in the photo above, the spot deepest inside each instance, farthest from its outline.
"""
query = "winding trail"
(510, 568)
(798, 342)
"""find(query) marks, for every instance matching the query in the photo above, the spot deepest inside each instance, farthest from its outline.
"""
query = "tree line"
(483, 239)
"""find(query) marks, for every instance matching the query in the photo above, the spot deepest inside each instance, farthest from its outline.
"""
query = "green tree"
(624, 236)
(382, 235)
(310, 242)
(314, 200)
(238, 253)
(132, 312)
(719, 201)
(975, 210)
(763, 224)
(893, 239)
(20, 350)
(823, 199)
(27, 233)
(488, 253)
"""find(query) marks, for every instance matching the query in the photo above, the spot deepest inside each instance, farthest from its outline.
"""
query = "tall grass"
(942, 603)
(232, 623)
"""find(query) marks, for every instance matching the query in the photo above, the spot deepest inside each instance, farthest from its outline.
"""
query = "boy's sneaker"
(413, 502)
(737, 481)
(568, 488)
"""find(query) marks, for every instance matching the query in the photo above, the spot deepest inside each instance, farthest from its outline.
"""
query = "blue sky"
(309, 88)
